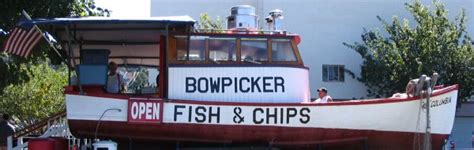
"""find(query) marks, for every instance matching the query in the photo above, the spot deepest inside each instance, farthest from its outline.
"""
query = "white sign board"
(239, 84)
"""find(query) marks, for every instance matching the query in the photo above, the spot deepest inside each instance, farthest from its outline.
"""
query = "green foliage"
(433, 44)
(207, 24)
(140, 79)
(37, 98)
(11, 10)
(10, 71)
(88, 9)
(24, 92)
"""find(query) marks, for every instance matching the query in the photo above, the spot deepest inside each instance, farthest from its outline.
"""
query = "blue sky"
(126, 8)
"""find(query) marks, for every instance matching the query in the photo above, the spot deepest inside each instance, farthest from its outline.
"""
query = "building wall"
(462, 132)
(323, 25)
(463, 128)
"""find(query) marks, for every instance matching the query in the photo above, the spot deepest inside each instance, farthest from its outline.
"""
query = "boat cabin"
(167, 58)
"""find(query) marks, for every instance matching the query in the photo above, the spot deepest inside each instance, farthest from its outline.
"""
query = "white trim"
(91, 108)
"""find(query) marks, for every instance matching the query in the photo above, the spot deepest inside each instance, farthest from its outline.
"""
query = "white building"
(463, 129)
(323, 26)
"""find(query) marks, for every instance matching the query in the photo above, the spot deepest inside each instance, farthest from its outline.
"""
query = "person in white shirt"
(114, 80)
(323, 96)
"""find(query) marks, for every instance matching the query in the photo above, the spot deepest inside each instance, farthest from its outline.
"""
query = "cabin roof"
(170, 20)
(131, 40)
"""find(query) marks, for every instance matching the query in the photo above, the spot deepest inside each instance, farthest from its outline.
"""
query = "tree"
(38, 97)
(208, 25)
(139, 80)
(11, 13)
(432, 44)
(32, 89)
(11, 10)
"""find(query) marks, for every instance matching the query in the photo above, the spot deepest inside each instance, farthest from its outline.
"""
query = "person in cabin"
(114, 80)
(6, 130)
(323, 96)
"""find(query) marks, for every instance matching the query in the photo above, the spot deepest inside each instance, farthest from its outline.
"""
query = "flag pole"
(54, 48)
(42, 34)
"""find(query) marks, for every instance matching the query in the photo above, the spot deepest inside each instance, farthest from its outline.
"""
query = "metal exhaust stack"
(274, 20)
(242, 18)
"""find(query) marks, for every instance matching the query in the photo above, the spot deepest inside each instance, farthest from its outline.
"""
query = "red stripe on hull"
(277, 136)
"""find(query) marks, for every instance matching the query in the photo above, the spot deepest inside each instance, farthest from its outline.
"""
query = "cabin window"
(196, 48)
(254, 49)
(333, 73)
(181, 47)
(222, 49)
(139, 79)
(282, 50)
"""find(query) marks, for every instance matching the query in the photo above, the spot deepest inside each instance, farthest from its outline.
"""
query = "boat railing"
(241, 31)
(56, 125)
(41, 126)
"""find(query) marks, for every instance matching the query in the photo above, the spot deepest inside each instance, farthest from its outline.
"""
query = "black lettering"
(200, 114)
(215, 85)
(436, 103)
(447, 100)
(270, 115)
(176, 113)
(206, 86)
(244, 84)
(235, 85)
(216, 114)
(224, 83)
(267, 84)
(190, 85)
(190, 112)
(241, 85)
(279, 81)
(255, 116)
(290, 113)
(254, 84)
(304, 112)
(282, 114)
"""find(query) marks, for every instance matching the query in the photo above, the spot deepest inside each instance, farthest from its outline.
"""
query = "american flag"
(20, 41)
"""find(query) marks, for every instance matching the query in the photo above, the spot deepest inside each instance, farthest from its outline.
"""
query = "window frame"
(267, 46)
(340, 73)
(292, 50)
(204, 51)
(234, 39)
(239, 39)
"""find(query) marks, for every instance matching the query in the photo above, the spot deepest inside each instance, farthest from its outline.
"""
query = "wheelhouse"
(234, 49)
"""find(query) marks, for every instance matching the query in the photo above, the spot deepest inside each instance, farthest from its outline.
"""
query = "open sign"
(145, 110)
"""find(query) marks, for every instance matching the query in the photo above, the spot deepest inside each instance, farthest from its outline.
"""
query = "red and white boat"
(224, 87)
